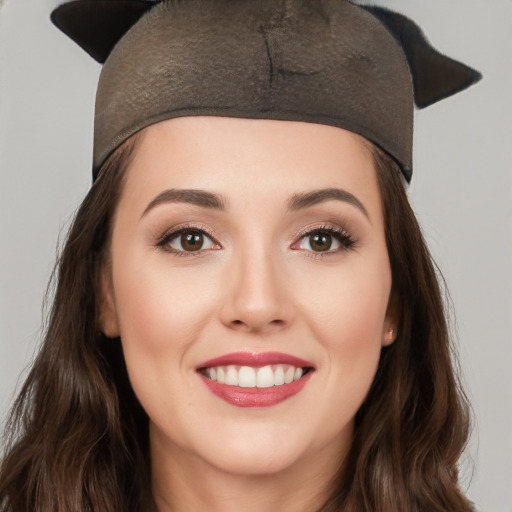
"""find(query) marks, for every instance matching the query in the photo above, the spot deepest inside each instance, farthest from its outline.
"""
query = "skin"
(257, 286)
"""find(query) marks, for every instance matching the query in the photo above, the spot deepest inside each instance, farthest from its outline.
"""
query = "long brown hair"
(414, 424)
(78, 437)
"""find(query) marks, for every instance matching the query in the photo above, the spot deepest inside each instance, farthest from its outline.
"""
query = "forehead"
(250, 160)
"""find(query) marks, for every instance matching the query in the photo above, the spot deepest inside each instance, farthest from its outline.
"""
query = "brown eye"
(320, 242)
(328, 240)
(190, 241)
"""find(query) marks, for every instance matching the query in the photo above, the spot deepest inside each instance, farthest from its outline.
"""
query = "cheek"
(343, 308)
(161, 315)
(346, 312)
(160, 311)
(348, 307)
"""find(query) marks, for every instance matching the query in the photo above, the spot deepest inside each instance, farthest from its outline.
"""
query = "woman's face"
(246, 253)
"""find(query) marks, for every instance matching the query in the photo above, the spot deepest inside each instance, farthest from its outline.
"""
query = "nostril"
(277, 321)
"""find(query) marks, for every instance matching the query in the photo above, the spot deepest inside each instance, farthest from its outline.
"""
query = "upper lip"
(255, 359)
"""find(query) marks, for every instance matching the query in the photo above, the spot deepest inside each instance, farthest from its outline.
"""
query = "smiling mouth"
(255, 377)
(249, 379)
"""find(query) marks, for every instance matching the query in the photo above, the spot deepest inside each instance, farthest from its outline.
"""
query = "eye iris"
(320, 241)
(192, 241)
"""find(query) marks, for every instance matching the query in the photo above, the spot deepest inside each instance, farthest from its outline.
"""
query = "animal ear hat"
(323, 61)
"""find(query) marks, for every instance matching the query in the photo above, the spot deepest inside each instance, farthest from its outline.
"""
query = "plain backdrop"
(461, 192)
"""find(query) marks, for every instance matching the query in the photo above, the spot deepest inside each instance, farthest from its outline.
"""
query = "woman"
(246, 314)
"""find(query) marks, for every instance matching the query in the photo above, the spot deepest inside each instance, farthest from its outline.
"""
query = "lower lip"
(256, 397)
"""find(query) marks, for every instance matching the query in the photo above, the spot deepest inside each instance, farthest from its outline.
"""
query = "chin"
(257, 459)
(260, 449)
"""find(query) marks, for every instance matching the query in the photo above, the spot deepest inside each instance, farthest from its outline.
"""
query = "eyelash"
(346, 240)
(343, 237)
(165, 240)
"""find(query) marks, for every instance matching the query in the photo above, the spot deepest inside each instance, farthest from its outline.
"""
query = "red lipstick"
(255, 359)
(255, 393)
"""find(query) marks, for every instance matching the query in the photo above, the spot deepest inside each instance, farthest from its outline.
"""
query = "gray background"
(462, 193)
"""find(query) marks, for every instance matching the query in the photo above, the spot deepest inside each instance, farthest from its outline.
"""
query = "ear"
(392, 321)
(109, 323)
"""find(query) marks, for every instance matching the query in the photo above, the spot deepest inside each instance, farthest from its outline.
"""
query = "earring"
(390, 335)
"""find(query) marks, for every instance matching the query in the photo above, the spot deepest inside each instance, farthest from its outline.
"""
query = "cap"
(322, 61)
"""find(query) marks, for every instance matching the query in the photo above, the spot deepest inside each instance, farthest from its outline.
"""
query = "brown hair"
(78, 437)
(414, 424)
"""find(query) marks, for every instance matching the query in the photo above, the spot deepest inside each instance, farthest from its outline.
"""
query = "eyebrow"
(214, 201)
(190, 196)
(307, 199)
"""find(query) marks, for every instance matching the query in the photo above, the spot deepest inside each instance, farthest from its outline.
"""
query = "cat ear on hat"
(97, 25)
(434, 75)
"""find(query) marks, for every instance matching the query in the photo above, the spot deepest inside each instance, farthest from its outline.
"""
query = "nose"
(257, 298)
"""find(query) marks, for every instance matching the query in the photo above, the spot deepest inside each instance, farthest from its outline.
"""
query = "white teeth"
(265, 377)
(231, 376)
(249, 377)
(279, 376)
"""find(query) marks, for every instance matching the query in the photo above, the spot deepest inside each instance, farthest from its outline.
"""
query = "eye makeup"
(191, 238)
(321, 240)
(324, 240)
